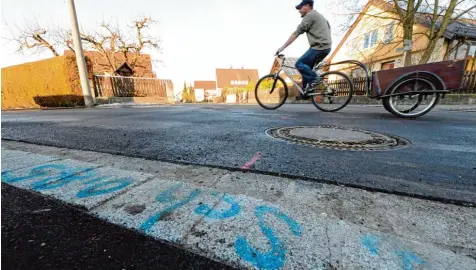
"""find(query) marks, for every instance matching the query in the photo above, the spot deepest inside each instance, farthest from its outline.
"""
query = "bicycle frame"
(295, 83)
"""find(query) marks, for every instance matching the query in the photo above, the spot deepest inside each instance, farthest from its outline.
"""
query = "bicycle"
(407, 92)
(334, 88)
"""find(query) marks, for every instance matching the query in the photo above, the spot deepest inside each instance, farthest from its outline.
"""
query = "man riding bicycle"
(318, 33)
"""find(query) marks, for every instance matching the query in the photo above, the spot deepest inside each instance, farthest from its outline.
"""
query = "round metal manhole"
(338, 138)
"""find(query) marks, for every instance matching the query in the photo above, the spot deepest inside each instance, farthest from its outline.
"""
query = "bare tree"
(108, 39)
(33, 38)
(441, 17)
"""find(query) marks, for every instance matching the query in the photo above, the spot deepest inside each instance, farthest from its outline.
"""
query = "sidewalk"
(250, 220)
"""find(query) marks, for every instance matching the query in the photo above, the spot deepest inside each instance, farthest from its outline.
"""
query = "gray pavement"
(439, 164)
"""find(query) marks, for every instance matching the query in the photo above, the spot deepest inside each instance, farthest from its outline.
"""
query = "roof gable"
(125, 65)
(376, 3)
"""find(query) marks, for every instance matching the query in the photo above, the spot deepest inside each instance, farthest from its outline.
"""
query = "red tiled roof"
(226, 76)
(143, 67)
(206, 85)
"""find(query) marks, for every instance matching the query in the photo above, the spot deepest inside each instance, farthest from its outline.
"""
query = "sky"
(197, 36)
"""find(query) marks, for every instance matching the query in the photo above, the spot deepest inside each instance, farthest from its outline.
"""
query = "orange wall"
(53, 82)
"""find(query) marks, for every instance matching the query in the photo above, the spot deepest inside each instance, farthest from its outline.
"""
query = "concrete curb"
(231, 226)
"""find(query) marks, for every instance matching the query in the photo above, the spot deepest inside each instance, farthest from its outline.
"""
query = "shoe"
(312, 85)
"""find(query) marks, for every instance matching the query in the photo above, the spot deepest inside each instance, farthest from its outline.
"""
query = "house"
(234, 78)
(205, 90)
(102, 65)
(376, 39)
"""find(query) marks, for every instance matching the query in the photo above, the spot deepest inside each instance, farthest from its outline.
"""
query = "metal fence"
(118, 86)
(468, 84)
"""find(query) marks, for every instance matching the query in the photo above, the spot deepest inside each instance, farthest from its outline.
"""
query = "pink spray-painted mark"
(252, 161)
(284, 117)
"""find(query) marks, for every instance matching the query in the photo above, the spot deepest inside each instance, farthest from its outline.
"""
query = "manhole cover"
(338, 138)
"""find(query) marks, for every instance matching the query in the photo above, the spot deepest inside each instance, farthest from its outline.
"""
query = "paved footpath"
(248, 220)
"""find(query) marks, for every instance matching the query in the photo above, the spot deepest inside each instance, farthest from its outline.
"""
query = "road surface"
(439, 164)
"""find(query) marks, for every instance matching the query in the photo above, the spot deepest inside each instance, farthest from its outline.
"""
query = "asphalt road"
(43, 233)
(439, 164)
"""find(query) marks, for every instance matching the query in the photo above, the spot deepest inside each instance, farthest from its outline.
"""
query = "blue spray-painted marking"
(370, 242)
(409, 259)
(168, 196)
(98, 189)
(275, 258)
(66, 177)
(209, 212)
(38, 171)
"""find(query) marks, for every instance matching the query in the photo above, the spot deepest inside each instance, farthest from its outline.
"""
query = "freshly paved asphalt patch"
(439, 164)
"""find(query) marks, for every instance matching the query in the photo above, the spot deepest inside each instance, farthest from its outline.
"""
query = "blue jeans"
(307, 62)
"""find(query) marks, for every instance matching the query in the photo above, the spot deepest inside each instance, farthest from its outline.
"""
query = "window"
(462, 51)
(373, 41)
(370, 39)
(367, 41)
(388, 33)
(452, 55)
(472, 50)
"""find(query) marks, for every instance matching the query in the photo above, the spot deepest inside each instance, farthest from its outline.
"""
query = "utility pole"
(78, 48)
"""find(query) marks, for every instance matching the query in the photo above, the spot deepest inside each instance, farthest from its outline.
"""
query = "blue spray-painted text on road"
(56, 175)
(276, 257)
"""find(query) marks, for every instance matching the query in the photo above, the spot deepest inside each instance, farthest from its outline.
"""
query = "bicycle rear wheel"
(271, 93)
(333, 93)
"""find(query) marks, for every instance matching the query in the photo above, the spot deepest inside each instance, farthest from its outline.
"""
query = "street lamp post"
(78, 48)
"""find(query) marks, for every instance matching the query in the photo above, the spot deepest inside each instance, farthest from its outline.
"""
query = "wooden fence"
(118, 86)
(468, 85)
(360, 87)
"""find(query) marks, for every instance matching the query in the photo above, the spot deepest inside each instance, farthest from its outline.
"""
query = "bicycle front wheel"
(333, 93)
(271, 93)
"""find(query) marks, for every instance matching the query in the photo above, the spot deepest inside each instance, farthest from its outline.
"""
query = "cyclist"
(318, 33)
